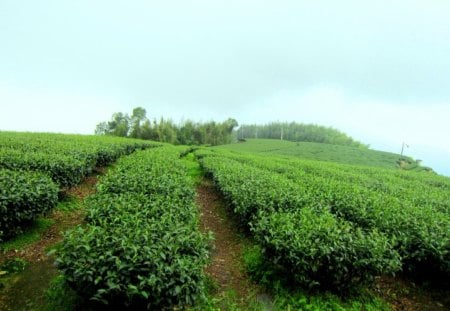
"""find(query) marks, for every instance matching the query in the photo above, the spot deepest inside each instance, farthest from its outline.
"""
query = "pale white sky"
(379, 71)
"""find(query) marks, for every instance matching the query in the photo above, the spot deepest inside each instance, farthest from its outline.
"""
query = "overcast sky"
(377, 70)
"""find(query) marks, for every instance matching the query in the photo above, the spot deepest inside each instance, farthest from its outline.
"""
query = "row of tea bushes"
(67, 159)
(31, 164)
(300, 238)
(372, 198)
(23, 196)
(141, 247)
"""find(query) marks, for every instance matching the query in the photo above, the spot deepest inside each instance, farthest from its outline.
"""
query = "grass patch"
(60, 297)
(193, 168)
(285, 300)
(227, 301)
(13, 265)
(29, 236)
(69, 204)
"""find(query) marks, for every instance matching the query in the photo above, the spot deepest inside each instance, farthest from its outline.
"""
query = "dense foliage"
(30, 161)
(411, 208)
(165, 130)
(317, 249)
(65, 158)
(301, 238)
(23, 196)
(307, 210)
(141, 247)
(298, 132)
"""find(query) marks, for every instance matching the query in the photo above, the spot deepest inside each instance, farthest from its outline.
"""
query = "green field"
(320, 221)
(322, 152)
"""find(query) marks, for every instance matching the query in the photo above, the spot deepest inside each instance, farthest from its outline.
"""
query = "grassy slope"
(318, 151)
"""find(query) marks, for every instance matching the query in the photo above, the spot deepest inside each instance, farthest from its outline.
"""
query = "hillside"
(326, 228)
(324, 152)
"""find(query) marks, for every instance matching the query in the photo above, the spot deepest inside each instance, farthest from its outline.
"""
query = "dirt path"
(405, 295)
(226, 268)
(27, 290)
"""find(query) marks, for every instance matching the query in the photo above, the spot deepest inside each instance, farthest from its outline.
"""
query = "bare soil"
(84, 189)
(405, 295)
(226, 267)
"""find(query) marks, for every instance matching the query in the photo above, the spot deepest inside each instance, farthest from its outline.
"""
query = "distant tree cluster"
(298, 132)
(165, 130)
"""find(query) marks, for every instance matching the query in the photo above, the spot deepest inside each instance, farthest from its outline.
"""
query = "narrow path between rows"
(226, 267)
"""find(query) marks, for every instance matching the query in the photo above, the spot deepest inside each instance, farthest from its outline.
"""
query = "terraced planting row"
(303, 240)
(418, 188)
(34, 167)
(65, 158)
(141, 247)
(316, 222)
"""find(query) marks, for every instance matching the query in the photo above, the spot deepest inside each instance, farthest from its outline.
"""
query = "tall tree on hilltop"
(138, 116)
(119, 124)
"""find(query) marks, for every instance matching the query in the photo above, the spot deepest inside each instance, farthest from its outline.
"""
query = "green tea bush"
(136, 261)
(108, 208)
(142, 247)
(64, 170)
(163, 174)
(315, 249)
(23, 197)
(67, 159)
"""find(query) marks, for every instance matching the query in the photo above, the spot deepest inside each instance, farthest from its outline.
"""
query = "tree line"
(188, 132)
(137, 125)
(298, 132)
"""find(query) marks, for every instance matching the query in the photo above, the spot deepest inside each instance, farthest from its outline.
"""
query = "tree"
(101, 128)
(186, 133)
(165, 130)
(299, 132)
(138, 116)
(146, 130)
(119, 125)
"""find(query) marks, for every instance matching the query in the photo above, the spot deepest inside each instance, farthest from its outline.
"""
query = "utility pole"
(281, 133)
(403, 147)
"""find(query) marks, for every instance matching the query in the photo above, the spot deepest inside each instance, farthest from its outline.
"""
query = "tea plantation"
(330, 225)
(34, 166)
(326, 225)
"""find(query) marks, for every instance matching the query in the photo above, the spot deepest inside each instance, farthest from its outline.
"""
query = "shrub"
(142, 247)
(318, 250)
(23, 197)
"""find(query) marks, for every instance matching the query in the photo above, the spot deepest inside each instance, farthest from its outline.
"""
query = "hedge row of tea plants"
(64, 170)
(421, 234)
(23, 196)
(416, 188)
(375, 199)
(301, 238)
(67, 159)
(141, 247)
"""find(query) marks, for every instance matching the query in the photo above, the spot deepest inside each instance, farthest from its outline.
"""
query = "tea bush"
(23, 197)
(142, 247)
